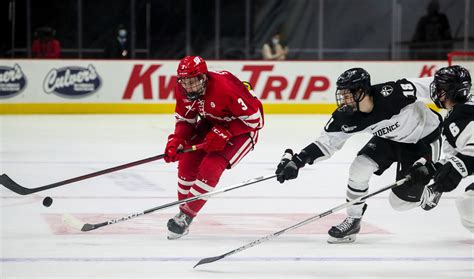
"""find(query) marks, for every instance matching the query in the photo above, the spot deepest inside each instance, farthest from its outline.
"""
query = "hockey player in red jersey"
(219, 111)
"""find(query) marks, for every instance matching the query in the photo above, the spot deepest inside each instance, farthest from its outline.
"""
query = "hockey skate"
(178, 226)
(346, 231)
(429, 198)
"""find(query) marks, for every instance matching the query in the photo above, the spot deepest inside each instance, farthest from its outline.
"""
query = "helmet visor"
(437, 91)
(345, 100)
(193, 86)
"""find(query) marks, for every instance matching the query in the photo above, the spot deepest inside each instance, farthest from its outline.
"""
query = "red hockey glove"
(171, 151)
(216, 139)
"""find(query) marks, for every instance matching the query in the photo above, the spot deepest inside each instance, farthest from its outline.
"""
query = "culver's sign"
(12, 81)
(72, 81)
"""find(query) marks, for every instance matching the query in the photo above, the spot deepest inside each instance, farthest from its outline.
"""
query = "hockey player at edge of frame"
(220, 111)
(450, 90)
(404, 130)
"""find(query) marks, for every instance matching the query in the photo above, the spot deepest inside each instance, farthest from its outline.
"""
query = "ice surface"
(35, 243)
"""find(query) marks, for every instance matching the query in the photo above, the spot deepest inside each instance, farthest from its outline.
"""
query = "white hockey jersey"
(397, 115)
(458, 134)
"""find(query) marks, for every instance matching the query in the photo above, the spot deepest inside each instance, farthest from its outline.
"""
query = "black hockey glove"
(420, 173)
(285, 159)
(449, 175)
(289, 166)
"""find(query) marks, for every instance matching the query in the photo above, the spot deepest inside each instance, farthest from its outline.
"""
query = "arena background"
(82, 113)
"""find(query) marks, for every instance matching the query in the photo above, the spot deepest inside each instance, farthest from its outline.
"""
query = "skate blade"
(348, 239)
(433, 203)
(428, 207)
(174, 236)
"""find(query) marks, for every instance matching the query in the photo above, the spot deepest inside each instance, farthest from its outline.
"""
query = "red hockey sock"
(208, 176)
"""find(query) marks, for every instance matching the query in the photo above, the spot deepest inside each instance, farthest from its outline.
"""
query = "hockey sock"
(210, 171)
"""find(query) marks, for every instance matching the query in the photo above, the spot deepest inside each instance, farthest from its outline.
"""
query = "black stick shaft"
(302, 223)
(6, 181)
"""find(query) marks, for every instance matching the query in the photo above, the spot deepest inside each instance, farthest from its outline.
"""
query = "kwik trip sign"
(35, 81)
(72, 81)
(12, 81)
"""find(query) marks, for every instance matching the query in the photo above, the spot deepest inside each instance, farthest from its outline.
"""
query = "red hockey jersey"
(226, 102)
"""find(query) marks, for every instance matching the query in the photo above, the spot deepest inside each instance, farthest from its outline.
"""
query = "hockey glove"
(420, 173)
(285, 159)
(171, 151)
(288, 169)
(449, 175)
(216, 139)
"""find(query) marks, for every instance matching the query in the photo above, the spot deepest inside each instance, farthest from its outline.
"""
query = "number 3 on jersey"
(241, 102)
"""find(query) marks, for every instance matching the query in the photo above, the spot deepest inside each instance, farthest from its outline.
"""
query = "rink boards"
(139, 86)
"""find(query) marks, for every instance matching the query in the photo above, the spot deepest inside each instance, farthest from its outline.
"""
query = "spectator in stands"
(432, 38)
(274, 50)
(45, 45)
(118, 47)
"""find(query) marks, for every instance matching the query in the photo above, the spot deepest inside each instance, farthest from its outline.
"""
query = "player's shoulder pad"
(247, 85)
(402, 81)
(395, 89)
(385, 89)
(338, 119)
(224, 79)
(221, 72)
(464, 112)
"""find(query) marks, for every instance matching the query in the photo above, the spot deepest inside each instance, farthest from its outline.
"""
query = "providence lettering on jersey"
(386, 130)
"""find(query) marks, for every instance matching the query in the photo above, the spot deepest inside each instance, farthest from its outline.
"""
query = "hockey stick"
(76, 223)
(302, 223)
(6, 181)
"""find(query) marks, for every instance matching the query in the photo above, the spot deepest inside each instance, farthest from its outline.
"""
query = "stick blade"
(72, 221)
(88, 227)
(6, 181)
(77, 224)
(209, 260)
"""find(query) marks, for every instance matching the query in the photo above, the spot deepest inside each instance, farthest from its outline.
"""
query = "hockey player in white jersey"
(450, 90)
(403, 130)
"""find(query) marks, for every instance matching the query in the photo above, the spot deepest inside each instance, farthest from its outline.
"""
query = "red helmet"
(192, 76)
(191, 66)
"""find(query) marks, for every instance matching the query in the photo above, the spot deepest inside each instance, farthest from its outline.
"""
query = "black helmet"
(352, 80)
(453, 82)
